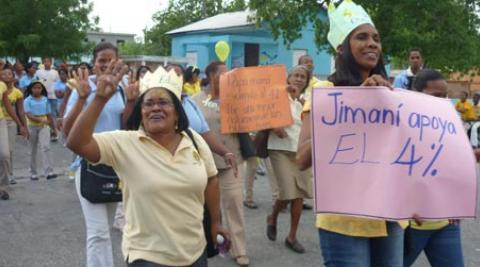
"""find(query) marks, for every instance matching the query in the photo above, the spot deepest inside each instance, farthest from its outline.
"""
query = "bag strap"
(190, 134)
(122, 93)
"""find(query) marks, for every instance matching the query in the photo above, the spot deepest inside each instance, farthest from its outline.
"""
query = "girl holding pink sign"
(347, 240)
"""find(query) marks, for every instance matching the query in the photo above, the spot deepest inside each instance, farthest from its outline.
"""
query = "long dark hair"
(347, 70)
(28, 91)
(135, 119)
(139, 71)
(188, 74)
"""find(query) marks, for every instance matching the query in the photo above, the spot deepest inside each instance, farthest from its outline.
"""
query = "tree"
(132, 49)
(55, 28)
(446, 31)
(180, 13)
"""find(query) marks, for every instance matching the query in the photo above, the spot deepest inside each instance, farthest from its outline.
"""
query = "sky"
(126, 16)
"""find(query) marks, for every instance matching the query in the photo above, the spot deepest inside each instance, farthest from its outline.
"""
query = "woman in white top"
(294, 185)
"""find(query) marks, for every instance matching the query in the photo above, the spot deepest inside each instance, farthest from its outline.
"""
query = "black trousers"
(201, 262)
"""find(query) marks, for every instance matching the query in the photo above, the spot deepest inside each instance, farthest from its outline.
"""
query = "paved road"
(42, 225)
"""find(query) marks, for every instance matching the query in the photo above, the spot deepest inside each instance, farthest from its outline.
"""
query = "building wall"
(238, 55)
(115, 39)
(270, 51)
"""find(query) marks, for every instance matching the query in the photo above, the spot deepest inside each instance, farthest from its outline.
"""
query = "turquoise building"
(249, 45)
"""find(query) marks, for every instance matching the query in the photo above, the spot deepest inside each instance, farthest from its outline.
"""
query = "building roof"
(220, 21)
(154, 59)
(111, 33)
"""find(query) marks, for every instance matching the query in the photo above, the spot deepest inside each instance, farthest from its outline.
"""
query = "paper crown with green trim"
(344, 19)
(160, 78)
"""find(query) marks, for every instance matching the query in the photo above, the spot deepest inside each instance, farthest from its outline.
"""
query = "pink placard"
(390, 154)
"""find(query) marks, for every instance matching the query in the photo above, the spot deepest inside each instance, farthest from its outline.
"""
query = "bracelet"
(228, 153)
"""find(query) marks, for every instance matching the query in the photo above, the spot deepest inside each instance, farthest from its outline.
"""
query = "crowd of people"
(158, 133)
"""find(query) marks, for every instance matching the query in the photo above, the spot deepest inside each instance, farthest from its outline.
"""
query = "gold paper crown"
(160, 78)
(344, 19)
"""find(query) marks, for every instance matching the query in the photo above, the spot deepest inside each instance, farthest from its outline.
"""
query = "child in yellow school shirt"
(15, 97)
(191, 84)
(466, 109)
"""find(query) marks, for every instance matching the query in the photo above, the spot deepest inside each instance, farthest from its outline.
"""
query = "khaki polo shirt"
(163, 195)
(211, 111)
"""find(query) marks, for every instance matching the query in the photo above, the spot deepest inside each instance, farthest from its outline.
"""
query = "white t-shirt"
(48, 77)
(290, 142)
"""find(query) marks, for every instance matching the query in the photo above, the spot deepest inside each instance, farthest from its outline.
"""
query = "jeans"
(201, 262)
(97, 217)
(340, 250)
(443, 247)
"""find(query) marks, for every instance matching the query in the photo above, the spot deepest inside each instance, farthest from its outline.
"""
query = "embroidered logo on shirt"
(196, 156)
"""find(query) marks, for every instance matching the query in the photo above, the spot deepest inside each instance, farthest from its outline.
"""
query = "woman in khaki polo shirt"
(167, 171)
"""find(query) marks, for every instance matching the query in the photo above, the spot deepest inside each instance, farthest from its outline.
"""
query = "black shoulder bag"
(99, 183)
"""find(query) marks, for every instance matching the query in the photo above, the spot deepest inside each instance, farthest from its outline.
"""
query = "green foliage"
(53, 28)
(180, 13)
(132, 49)
(445, 30)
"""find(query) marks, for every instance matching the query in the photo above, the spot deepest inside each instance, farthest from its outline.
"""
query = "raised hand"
(81, 80)
(107, 82)
(132, 90)
(294, 91)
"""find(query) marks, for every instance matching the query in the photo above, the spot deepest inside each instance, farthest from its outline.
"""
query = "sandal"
(295, 246)
(250, 204)
(271, 231)
(242, 260)
(4, 195)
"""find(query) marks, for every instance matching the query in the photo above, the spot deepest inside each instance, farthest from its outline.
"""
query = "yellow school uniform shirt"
(13, 97)
(191, 88)
(163, 195)
(313, 82)
(429, 225)
(3, 88)
(469, 114)
(348, 225)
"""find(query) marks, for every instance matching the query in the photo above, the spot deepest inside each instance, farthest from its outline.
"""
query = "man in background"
(405, 78)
